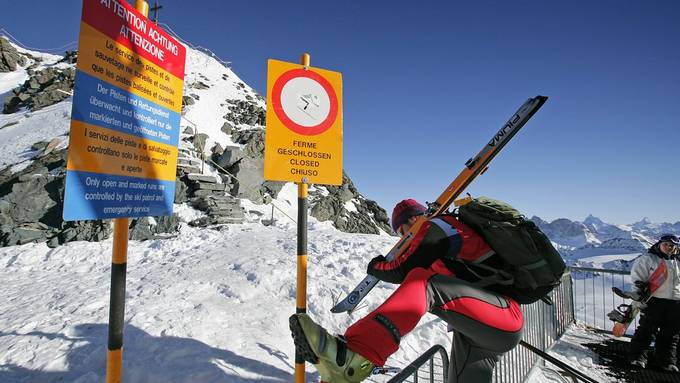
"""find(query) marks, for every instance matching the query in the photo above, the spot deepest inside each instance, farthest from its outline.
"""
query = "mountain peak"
(592, 220)
(643, 221)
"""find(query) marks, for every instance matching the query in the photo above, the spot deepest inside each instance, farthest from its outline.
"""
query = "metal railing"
(593, 296)
(543, 325)
(432, 366)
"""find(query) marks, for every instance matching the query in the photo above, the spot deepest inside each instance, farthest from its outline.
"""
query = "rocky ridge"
(220, 161)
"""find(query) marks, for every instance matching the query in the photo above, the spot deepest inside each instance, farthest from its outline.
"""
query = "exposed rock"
(200, 85)
(229, 157)
(253, 140)
(9, 56)
(92, 231)
(227, 128)
(217, 149)
(70, 57)
(186, 100)
(250, 175)
(181, 190)
(369, 217)
(245, 112)
(145, 228)
(22, 235)
(43, 88)
(326, 209)
(199, 141)
(31, 205)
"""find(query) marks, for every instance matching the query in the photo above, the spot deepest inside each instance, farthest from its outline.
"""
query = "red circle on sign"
(290, 124)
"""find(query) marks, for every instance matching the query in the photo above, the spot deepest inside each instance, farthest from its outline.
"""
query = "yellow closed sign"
(303, 137)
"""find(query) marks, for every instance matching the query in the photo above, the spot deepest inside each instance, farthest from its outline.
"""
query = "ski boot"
(330, 355)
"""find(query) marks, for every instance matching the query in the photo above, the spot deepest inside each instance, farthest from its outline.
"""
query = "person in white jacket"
(662, 311)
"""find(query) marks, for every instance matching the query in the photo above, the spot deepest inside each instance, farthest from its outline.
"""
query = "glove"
(373, 262)
(642, 287)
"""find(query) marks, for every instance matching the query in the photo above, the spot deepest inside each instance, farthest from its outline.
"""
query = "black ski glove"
(392, 276)
(371, 265)
(642, 287)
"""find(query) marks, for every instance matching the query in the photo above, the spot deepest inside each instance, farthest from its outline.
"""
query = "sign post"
(122, 155)
(303, 144)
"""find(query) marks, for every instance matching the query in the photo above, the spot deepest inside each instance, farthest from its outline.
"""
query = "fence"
(543, 325)
(432, 366)
(593, 296)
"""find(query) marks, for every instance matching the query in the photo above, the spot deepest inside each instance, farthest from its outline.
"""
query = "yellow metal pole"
(301, 293)
(114, 357)
(143, 7)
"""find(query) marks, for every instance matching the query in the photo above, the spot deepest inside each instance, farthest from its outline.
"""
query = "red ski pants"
(485, 324)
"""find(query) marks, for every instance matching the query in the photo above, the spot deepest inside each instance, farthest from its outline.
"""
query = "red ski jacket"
(436, 246)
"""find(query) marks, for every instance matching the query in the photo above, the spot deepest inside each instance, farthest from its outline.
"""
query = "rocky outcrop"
(31, 206)
(31, 200)
(363, 215)
(10, 58)
(43, 88)
(245, 112)
(247, 166)
(246, 163)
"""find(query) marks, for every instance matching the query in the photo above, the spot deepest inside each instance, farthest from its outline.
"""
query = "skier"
(662, 311)
(485, 324)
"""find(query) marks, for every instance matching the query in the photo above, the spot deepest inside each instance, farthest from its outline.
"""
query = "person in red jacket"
(485, 324)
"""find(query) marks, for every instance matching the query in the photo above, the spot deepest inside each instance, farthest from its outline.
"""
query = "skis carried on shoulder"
(473, 167)
(623, 315)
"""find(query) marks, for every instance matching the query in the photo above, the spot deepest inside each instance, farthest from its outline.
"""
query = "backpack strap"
(455, 241)
(496, 276)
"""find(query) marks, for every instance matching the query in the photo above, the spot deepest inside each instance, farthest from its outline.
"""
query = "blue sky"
(426, 85)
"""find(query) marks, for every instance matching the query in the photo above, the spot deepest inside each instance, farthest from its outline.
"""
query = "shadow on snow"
(146, 358)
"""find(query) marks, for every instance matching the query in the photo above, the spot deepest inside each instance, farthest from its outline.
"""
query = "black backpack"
(529, 267)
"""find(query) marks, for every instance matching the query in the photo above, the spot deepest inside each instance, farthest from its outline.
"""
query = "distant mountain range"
(572, 237)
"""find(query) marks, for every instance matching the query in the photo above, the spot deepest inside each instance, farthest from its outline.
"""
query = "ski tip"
(338, 310)
(541, 99)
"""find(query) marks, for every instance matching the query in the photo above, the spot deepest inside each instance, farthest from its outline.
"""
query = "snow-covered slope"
(207, 305)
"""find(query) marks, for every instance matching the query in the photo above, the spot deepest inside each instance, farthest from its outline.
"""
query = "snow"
(206, 305)
(209, 304)
(570, 350)
(11, 80)
(351, 206)
(207, 115)
(31, 127)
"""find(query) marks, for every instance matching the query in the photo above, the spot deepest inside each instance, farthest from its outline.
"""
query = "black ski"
(473, 167)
